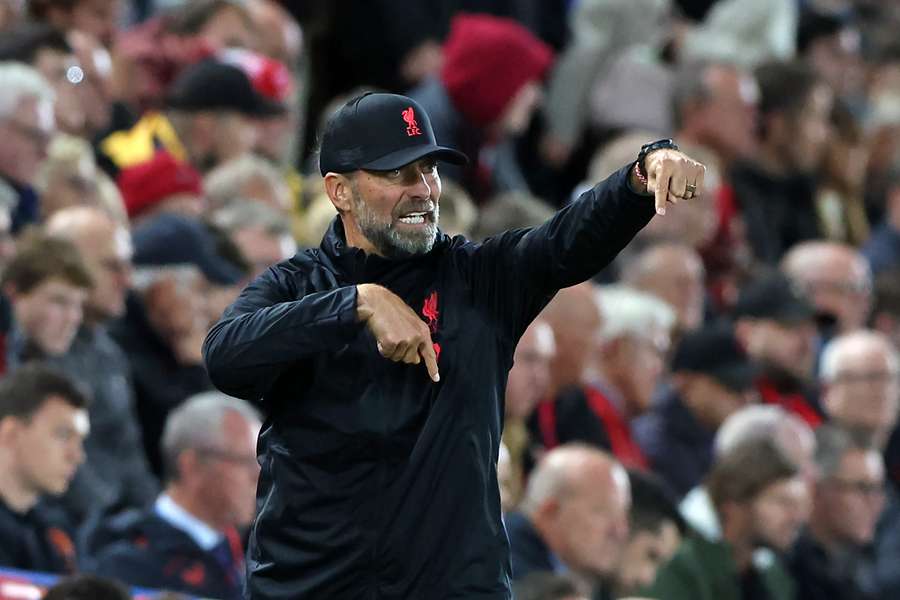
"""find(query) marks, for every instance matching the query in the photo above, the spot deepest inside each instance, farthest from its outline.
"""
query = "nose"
(76, 453)
(620, 529)
(421, 188)
(76, 313)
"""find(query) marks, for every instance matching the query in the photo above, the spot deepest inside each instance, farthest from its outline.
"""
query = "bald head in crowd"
(860, 375)
(282, 38)
(835, 277)
(672, 272)
(575, 318)
(578, 500)
(105, 246)
(529, 378)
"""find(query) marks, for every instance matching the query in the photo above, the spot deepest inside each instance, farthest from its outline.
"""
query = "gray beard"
(388, 240)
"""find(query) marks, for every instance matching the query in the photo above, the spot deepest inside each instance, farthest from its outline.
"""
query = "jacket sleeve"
(676, 580)
(519, 271)
(268, 328)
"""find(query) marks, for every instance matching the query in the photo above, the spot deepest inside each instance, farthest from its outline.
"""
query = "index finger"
(662, 191)
(426, 351)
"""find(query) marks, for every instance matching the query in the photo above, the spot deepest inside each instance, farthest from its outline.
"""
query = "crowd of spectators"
(714, 416)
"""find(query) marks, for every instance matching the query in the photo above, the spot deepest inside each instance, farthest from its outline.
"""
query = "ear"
(885, 323)
(187, 462)
(743, 331)
(734, 514)
(547, 511)
(9, 431)
(339, 190)
(776, 125)
(681, 381)
(202, 129)
(612, 348)
(10, 291)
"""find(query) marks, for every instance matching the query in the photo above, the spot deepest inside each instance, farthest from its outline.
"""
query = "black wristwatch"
(648, 148)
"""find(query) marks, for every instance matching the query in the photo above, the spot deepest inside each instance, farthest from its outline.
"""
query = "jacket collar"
(360, 266)
(683, 422)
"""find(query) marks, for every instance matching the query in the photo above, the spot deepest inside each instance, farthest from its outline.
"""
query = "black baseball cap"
(213, 85)
(380, 132)
(774, 296)
(173, 239)
(714, 350)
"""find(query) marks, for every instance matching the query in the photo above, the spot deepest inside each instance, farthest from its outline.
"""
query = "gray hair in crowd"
(754, 422)
(197, 423)
(832, 444)
(511, 210)
(554, 474)
(631, 312)
(225, 183)
(243, 214)
(20, 82)
(146, 276)
(837, 349)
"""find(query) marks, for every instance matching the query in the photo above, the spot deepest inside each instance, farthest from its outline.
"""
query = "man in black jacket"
(43, 422)
(378, 479)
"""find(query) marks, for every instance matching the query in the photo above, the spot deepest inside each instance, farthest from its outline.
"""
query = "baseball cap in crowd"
(173, 239)
(715, 351)
(163, 176)
(269, 77)
(214, 85)
(773, 296)
(380, 132)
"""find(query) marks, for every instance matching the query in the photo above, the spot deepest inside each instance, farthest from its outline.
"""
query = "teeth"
(414, 219)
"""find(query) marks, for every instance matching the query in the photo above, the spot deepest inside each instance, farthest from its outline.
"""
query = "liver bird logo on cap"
(412, 128)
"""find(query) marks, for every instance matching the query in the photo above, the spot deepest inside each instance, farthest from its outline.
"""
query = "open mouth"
(417, 218)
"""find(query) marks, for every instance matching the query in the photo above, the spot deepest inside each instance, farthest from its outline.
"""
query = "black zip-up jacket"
(377, 483)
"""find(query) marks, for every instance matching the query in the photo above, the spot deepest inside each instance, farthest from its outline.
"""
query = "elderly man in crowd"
(860, 376)
(26, 127)
(260, 232)
(829, 559)
(190, 539)
(837, 280)
(181, 274)
(529, 380)
(625, 364)
(674, 273)
(574, 516)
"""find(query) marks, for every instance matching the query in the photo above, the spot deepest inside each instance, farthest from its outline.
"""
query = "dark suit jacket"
(528, 551)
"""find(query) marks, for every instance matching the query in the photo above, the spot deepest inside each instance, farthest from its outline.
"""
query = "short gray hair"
(754, 422)
(628, 311)
(832, 444)
(242, 214)
(20, 82)
(555, 473)
(835, 351)
(223, 185)
(197, 423)
(146, 276)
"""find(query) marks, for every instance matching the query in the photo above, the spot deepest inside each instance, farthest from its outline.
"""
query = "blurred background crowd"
(714, 417)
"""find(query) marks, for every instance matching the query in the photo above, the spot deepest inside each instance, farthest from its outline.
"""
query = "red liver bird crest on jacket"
(431, 313)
